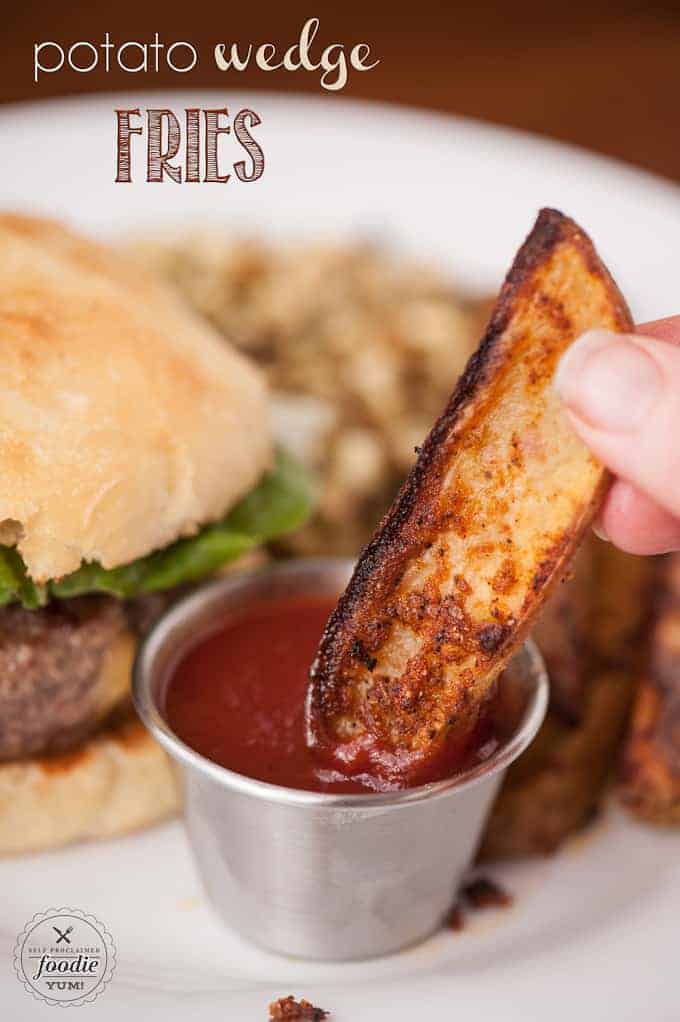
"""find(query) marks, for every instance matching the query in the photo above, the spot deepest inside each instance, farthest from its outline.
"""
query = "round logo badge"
(64, 957)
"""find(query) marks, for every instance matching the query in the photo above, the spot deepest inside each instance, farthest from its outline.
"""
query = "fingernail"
(608, 381)
(600, 531)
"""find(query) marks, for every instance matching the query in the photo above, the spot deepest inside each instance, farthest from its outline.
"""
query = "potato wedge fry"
(483, 527)
(650, 770)
(557, 786)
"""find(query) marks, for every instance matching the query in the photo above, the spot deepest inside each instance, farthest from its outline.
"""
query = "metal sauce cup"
(318, 875)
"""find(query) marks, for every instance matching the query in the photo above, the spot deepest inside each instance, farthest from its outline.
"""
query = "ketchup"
(238, 698)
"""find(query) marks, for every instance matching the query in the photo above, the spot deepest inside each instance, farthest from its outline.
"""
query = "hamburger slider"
(136, 458)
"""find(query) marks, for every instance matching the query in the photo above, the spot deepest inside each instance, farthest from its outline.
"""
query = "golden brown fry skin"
(484, 525)
(557, 785)
(650, 770)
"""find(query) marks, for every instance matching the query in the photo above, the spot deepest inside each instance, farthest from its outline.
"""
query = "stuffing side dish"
(360, 350)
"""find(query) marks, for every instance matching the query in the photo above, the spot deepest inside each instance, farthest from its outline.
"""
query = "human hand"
(622, 396)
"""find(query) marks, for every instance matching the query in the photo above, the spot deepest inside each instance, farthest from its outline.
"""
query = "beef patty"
(62, 670)
(66, 668)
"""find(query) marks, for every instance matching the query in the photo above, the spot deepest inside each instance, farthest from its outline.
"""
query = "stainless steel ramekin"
(318, 875)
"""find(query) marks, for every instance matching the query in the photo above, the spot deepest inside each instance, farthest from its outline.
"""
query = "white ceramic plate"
(594, 932)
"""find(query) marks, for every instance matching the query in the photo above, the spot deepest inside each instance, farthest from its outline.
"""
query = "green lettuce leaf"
(280, 503)
(15, 583)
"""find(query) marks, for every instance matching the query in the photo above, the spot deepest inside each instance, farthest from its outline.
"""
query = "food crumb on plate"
(479, 893)
(482, 892)
(287, 1008)
(455, 920)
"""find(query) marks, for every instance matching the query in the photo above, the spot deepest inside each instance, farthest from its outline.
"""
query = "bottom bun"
(117, 781)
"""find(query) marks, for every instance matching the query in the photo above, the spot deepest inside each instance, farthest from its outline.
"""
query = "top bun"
(125, 422)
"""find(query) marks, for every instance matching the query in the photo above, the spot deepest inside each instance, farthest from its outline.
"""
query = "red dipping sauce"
(238, 698)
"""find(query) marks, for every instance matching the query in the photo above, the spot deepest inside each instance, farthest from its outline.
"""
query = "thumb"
(622, 394)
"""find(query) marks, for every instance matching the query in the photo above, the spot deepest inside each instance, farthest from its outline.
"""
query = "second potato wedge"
(483, 527)
(649, 782)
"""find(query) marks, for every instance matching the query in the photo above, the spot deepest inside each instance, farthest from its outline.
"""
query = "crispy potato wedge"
(650, 769)
(483, 527)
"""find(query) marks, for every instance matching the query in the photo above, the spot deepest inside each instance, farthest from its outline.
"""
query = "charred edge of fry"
(382, 560)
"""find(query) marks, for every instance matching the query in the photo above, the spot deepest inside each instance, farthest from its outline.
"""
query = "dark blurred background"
(602, 75)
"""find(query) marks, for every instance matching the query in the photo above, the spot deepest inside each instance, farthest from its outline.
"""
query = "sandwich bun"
(116, 782)
(125, 421)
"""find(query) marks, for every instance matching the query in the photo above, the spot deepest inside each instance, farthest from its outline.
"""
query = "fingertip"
(633, 522)
(609, 383)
